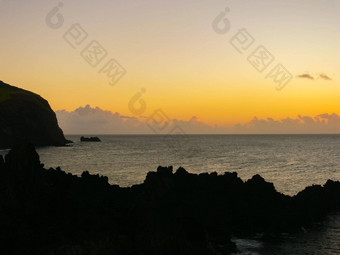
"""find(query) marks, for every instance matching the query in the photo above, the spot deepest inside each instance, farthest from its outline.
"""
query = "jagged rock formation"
(27, 116)
(47, 211)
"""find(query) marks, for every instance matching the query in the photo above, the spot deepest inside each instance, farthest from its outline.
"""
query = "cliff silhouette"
(27, 116)
(48, 211)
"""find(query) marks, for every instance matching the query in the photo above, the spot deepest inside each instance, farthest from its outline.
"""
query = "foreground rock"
(25, 115)
(50, 212)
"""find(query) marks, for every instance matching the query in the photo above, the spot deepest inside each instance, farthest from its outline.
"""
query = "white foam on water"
(248, 246)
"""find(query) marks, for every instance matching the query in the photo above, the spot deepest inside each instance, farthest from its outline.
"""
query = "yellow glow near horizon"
(171, 50)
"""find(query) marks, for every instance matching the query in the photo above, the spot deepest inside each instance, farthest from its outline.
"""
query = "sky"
(195, 60)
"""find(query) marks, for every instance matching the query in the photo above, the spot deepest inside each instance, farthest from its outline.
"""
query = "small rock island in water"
(48, 211)
(89, 139)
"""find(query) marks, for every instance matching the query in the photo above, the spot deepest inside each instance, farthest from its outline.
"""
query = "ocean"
(291, 162)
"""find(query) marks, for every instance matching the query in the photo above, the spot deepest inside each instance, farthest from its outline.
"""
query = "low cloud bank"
(88, 120)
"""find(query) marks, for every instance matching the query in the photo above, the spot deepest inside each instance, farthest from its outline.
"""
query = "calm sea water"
(291, 162)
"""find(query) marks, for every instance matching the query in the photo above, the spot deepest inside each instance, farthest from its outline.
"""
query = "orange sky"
(171, 49)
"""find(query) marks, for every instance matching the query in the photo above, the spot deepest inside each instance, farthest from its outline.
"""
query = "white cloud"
(88, 120)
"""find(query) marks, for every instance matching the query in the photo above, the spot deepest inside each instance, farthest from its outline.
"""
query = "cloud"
(88, 120)
(320, 124)
(325, 77)
(305, 76)
(311, 77)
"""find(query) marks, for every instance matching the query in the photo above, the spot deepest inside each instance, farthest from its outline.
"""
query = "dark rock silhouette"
(25, 115)
(2, 164)
(89, 139)
(47, 211)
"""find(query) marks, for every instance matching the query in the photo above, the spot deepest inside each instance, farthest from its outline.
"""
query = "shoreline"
(169, 213)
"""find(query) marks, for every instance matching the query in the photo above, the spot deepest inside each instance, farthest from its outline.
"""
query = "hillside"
(27, 116)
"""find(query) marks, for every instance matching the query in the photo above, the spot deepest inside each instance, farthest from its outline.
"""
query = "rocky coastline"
(49, 211)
